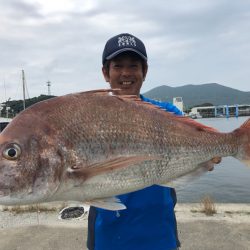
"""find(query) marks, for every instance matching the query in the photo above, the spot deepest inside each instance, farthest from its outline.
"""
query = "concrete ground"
(228, 229)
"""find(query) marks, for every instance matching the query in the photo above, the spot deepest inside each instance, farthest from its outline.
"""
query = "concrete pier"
(228, 229)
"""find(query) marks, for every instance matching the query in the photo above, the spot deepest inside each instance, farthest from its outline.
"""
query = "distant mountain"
(194, 95)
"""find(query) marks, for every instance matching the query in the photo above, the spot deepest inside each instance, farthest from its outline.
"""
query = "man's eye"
(134, 66)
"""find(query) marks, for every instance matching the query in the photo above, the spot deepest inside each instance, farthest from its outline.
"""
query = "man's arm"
(164, 105)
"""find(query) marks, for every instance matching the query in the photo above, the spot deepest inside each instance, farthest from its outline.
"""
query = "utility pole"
(1, 108)
(48, 84)
(23, 78)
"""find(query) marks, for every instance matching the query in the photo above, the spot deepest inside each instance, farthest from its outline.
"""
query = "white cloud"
(62, 41)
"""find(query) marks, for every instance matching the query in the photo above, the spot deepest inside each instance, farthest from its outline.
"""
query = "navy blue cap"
(121, 43)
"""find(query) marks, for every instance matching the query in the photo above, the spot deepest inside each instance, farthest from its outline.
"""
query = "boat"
(5, 121)
(195, 115)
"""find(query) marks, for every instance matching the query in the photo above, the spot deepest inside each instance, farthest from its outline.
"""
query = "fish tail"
(243, 136)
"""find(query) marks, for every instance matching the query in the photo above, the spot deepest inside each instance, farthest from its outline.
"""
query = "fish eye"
(12, 152)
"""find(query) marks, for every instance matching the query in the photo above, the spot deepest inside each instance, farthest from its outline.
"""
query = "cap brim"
(124, 50)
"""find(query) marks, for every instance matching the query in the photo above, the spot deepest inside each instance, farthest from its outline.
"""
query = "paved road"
(202, 235)
(228, 229)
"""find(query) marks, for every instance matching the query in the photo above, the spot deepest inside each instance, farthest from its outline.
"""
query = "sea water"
(229, 182)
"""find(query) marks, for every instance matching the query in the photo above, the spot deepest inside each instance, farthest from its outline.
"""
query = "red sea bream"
(92, 146)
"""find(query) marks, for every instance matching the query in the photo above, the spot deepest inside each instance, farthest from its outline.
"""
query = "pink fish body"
(92, 146)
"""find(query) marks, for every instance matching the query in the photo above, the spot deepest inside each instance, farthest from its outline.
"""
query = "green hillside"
(17, 106)
(195, 95)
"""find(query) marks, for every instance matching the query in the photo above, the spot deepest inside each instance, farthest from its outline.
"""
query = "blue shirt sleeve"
(164, 105)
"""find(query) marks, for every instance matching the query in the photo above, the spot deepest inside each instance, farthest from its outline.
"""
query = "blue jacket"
(147, 223)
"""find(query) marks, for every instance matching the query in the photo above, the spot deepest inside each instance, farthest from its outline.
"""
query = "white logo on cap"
(126, 40)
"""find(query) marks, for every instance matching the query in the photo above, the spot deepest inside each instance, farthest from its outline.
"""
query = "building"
(178, 102)
(222, 110)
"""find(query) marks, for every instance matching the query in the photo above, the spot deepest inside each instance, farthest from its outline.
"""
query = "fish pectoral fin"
(110, 165)
(112, 203)
(169, 184)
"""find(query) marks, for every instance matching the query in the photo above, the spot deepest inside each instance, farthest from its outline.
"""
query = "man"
(149, 221)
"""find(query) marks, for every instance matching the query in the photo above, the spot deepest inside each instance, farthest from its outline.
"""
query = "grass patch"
(36, 208)
(208, 206)
(237, 212)
(194, 211)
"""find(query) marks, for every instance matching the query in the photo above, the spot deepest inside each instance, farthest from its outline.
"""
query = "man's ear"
(105, 73)
(145, 70)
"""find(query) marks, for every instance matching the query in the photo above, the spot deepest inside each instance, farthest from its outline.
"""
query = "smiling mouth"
(126, 83)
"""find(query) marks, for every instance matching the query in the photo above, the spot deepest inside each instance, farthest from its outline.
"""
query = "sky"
(61, 41)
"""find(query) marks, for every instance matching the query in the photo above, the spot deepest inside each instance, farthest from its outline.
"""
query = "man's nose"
(126, 71)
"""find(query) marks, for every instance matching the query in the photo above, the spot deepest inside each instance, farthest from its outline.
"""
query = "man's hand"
(215, 160)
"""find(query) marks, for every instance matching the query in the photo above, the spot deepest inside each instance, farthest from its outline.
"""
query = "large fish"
(92, 146)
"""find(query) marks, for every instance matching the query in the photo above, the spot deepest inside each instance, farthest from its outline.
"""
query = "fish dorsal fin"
(171, 115)
(246, 124)
(134, 98)
(197, 125)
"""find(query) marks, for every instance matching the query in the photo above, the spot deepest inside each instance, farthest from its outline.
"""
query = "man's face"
(126, 73)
